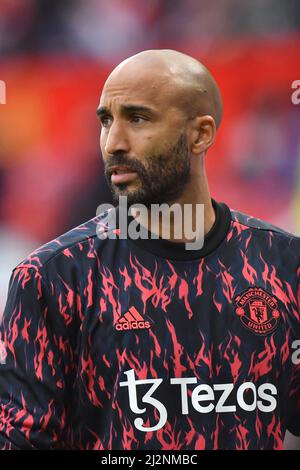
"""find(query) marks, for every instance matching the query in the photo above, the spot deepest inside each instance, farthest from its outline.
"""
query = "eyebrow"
(126, 108)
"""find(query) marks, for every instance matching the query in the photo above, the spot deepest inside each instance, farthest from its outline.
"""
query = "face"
(143, 141)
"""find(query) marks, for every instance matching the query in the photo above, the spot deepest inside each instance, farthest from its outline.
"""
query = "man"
(140, 343)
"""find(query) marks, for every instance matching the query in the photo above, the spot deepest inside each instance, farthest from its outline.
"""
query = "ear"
(202, 134)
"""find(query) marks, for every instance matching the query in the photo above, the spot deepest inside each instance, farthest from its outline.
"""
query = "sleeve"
(32, 382)
(294, 393)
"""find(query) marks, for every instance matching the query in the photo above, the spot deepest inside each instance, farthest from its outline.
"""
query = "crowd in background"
(106, 29)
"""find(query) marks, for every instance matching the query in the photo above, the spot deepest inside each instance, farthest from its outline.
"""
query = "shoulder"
(76, 243)
(265, 243)
(256, 225)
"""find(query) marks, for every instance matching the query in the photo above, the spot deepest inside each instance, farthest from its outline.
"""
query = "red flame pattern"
(60, 384)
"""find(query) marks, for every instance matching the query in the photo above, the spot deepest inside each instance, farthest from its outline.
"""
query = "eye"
(137, 119)
(106, 121)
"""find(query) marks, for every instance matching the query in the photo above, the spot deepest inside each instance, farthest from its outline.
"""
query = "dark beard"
(163, 181)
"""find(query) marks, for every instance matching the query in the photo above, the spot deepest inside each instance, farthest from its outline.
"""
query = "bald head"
(196, 90)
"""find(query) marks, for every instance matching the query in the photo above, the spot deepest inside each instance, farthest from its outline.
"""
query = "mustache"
(123, 160)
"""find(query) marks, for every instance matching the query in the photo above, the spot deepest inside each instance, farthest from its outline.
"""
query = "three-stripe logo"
(131, 320)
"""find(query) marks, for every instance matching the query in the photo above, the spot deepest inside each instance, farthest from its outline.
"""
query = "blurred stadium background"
(54, 57)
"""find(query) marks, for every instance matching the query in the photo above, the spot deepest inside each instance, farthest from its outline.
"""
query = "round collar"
(177, 251)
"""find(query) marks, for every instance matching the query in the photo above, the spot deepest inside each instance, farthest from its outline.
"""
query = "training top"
(114, 343)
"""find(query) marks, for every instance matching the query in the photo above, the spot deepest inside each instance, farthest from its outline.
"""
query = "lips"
(122, 174)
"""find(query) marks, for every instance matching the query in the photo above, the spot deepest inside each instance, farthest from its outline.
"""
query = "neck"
(191, 219)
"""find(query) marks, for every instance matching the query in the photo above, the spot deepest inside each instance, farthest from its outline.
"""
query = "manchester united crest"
(257, 310)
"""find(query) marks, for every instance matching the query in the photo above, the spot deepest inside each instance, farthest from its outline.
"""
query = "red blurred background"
(49, 136)
(54, 58)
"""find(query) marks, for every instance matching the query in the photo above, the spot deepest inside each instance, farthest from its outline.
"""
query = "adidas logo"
(131, 320)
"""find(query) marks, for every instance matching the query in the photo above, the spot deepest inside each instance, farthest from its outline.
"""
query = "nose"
(116, 139)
